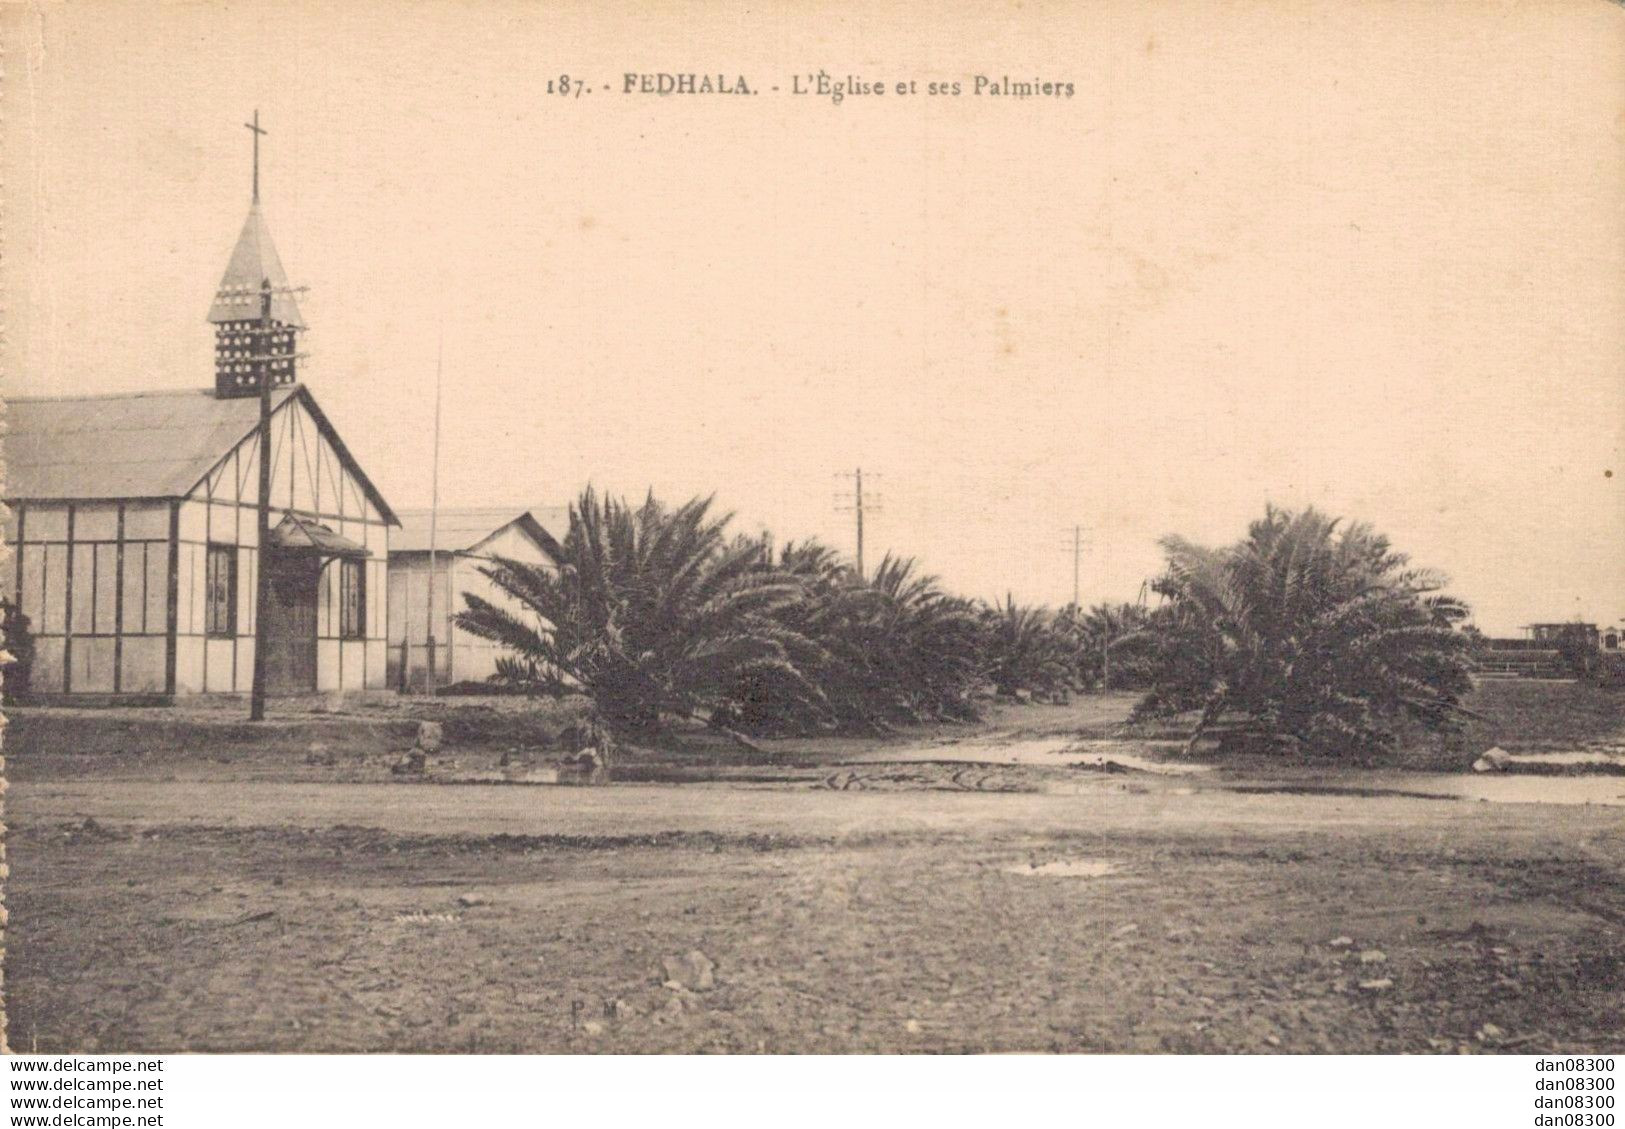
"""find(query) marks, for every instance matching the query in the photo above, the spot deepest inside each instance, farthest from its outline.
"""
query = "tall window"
(352, 599)
(221, 614)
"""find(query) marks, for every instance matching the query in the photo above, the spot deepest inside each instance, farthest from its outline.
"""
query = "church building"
(134, 523)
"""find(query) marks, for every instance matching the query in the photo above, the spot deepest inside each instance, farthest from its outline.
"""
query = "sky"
(1368, 257)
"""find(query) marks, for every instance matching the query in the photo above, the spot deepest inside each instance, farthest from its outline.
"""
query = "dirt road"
(217, 915)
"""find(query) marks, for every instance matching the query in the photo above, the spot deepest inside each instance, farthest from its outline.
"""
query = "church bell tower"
(256, 321)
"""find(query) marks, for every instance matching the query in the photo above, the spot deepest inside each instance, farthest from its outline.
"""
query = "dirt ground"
(166, 899)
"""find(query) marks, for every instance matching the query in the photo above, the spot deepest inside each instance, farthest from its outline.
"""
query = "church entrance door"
(290, 623)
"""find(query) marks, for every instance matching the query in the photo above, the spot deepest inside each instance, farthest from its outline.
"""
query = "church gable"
(312, 473)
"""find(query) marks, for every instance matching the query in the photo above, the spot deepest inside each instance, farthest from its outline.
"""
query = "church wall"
(189, 665)
(93, 579)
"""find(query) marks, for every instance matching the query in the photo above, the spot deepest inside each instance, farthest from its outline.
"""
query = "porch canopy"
(294, 534)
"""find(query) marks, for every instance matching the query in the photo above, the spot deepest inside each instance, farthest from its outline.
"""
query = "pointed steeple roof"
(254, 260)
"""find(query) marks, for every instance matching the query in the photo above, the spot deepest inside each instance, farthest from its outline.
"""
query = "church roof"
(252, 261)
(465, 529)
(139, 445)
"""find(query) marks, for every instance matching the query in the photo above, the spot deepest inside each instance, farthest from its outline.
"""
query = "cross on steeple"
(254, 126)
(254, 315)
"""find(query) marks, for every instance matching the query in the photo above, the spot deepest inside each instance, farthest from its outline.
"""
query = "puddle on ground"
(1057, 752)
(1580, 760)
(1334, 790)
(1065, 868)
(1575, 756)
(1607, 791)
(1104, 754)
(1039, 751)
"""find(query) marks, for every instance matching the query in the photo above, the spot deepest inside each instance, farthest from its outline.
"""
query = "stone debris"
(1376, 985)
(1489, 1033)
(1493, 760)
(414, 764)
(423, 917)
(693, 970)
(1340, 942)
(1373, 956)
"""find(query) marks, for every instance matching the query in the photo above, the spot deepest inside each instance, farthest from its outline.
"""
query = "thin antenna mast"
(434, 507)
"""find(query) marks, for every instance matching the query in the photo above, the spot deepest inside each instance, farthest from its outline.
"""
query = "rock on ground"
(693, 970)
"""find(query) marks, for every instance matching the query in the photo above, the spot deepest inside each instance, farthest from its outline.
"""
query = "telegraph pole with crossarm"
(262, 358)
(856, 503)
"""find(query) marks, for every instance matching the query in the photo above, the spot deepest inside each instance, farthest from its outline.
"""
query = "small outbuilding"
(425, 644)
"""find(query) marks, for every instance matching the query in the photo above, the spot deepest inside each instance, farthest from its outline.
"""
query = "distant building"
(134, 518)
(463, 540)
(1552, 634)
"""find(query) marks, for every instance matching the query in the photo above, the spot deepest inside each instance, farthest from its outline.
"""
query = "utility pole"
(855, 504)
(262, 525)
(262, 357)
(1075, 544)
(262, 521)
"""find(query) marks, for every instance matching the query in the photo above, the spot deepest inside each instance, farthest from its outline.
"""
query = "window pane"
(220, 590)
(351, 599)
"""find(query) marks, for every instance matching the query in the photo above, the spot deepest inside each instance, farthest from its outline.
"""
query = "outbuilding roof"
(138, 445)
(465, 529)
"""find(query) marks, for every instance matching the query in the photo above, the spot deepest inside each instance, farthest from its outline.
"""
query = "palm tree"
(924, 651)
(1307, 629)
(1027, 651)
(649, 610)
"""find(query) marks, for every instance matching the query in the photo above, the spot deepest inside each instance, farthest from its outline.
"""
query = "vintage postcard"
(565, 528)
